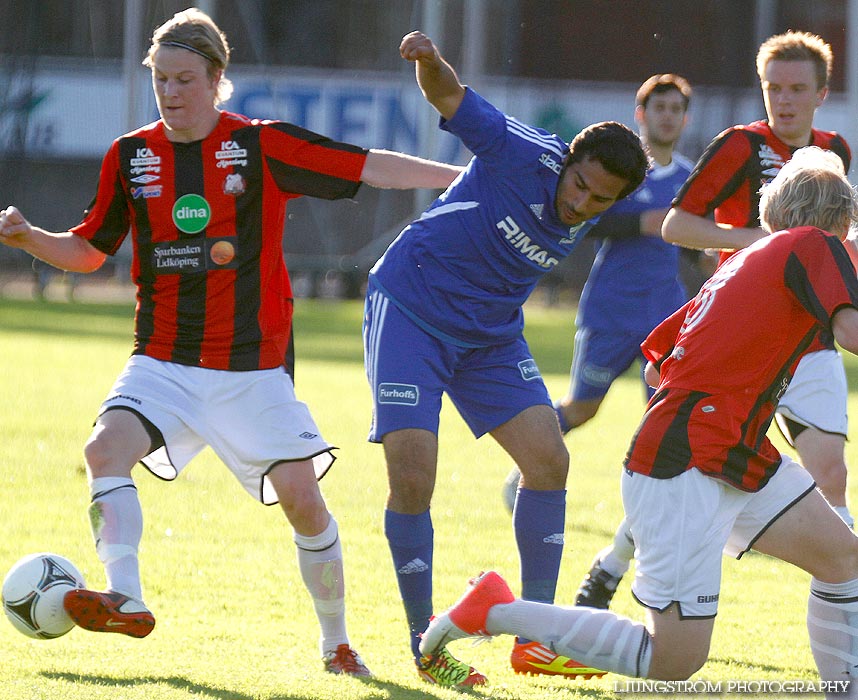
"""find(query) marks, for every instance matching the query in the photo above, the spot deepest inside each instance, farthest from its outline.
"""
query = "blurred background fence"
(71, 81)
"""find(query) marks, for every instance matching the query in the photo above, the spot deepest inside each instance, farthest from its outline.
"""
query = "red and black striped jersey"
(727, 178)
(728, 355)
(206, 220)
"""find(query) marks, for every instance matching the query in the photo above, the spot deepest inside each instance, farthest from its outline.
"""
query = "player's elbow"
(844, 325)
(671, 227)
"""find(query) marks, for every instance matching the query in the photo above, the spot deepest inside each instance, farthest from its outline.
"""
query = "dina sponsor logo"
(191, 213)
(529, 370)
(404, 394)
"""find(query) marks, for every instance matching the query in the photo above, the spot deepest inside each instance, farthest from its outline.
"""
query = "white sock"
(845, 515)
(596, 638)
(615, 559)
(116, 519)
(320, 559)
(832, 622)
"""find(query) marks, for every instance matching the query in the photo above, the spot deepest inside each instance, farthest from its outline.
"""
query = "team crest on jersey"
(573, 234)
(234, 184)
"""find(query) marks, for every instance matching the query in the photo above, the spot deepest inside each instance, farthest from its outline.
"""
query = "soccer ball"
(33, 593)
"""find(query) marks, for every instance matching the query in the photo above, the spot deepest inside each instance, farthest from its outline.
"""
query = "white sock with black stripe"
(832, 622)
(320, 559)
(596, 638)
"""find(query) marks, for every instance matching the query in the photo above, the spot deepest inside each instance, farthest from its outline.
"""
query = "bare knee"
(680, 646)
(411, 457)
(672, 664)
(117, 442)
(300, 497)
(106, 455)
(547, 470)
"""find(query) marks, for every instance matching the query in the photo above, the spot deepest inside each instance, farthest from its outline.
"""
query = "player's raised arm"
(437, 79)
(63, 250)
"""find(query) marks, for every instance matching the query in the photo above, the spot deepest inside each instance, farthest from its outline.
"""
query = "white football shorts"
(817, 395)
(251, 420)
(682, 526)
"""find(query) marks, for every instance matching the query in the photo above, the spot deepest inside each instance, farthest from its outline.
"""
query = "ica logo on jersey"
(145, 156)
(519, 240)
(230, 153)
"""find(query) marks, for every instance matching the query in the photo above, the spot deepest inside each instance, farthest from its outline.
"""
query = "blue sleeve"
(498, 139)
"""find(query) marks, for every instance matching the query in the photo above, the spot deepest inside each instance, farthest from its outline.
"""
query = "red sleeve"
(107, 219)
(718, 174)
(820, 275)
(660, 342)
(306, 163)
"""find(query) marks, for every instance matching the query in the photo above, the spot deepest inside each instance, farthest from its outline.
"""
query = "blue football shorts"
(599, 358)
(409, 369)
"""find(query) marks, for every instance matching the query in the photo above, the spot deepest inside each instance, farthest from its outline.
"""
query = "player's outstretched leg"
(467, 618)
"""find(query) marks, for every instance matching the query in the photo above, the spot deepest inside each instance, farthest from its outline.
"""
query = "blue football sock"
(564, 425)
(411, 539)
(539, 522)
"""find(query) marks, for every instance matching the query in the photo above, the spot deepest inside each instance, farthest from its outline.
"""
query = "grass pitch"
(219, 570)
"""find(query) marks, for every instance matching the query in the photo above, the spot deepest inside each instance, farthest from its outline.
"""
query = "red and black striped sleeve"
(107, 218)
(718, 175)
(820, 275)
(305, 163)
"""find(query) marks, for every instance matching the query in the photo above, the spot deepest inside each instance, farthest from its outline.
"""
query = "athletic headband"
(188, 47)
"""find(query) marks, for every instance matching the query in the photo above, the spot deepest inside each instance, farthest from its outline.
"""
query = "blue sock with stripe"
(539, 522)
(411, 541)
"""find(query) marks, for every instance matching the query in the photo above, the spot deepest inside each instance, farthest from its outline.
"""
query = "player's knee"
(410, 489)
(676, 665)
(103, 455)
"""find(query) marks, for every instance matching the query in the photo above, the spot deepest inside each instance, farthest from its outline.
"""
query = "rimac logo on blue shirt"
(404, 394)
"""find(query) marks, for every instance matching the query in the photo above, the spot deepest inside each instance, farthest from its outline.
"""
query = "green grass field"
(219, 570)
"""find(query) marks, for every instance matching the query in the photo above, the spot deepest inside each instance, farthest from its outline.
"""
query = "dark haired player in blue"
(443, 314)
(634, 283)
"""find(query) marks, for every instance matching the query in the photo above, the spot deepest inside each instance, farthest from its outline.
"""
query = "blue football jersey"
(634, 283)
(463, 269)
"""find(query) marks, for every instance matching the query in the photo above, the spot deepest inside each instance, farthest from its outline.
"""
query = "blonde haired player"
(700, 475)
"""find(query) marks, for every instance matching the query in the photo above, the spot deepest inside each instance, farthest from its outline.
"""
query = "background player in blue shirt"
(443, 314)
(634, 283)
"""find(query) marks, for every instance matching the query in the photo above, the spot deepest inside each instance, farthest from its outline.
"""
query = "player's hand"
(417, 46)
(14, 228)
